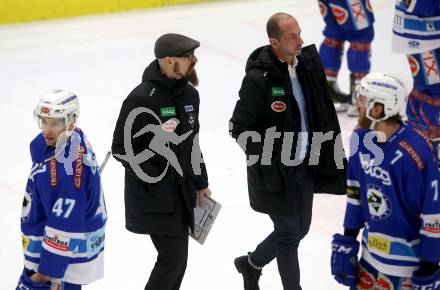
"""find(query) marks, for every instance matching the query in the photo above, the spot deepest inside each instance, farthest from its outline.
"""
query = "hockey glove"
(344, 260)
(426, 282)
(25, 283)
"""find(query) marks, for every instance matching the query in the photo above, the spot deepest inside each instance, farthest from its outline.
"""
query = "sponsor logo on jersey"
(322, 9)
(168, 112)
(359, 14)
(413, 65)
(95, 242)
(53, 172)
(379, 204)
(431, 68)
(366, 280)
(56, 241)
(278, 106)
(170, 125)
(341, 14)
(278, 91)
(79, 168)
(375, 171)
(379, 244)
(414, 155)
(25, 241)
(384, 283)
(432, 226)
(189, 108)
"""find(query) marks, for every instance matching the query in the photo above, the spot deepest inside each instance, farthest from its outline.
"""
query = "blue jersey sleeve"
(353, 213)
(420, 7)
(430, 214)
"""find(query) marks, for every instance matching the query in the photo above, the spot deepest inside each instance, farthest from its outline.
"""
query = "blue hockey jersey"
(416, 27)
(393, 193)
(63, 215)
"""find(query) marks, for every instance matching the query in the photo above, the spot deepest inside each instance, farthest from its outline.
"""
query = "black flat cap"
(172, 44)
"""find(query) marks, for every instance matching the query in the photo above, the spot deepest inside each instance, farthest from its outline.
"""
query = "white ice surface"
(102, 58)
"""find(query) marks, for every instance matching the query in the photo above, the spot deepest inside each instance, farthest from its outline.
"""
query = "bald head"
(273, 24)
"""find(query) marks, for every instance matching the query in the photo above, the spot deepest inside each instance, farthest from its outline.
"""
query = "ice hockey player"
(392, 193)
(416, 33)
(63, 214)
(350, 21)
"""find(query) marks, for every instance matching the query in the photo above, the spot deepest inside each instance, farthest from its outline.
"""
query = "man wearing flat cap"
(156, 139)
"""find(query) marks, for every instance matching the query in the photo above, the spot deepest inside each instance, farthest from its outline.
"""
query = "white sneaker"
(352, 111)
(341, 107)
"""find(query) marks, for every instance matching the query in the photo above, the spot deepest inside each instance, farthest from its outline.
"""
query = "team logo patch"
(431, 68)
(384, 283)
(413, 65)
(341, 14)
(189, 108)
(278, 91)
(366, 280)
(168, 111)
(170, 125)
(26, 207)
(278, 106)
(191, 119)
(379, 204)
(322, 9)
(413, 44)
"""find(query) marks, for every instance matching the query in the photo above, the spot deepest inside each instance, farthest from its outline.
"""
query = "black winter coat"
(165, 207)
(266, 100)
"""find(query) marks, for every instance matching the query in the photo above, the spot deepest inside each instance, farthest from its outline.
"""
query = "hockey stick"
(102, 166)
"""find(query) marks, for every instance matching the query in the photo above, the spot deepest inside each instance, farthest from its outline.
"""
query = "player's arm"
(428, 273)
(344, 260)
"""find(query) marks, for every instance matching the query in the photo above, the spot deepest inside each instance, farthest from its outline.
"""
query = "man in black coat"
(156, 140)
(285, 110)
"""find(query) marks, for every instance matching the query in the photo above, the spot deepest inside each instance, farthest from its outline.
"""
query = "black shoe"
(250, 274)
(336, 94)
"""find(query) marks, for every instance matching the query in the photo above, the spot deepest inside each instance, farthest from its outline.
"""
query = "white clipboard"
(204, 218)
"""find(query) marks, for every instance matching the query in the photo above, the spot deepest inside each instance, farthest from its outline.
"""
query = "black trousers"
(172, 256)
(283, 242)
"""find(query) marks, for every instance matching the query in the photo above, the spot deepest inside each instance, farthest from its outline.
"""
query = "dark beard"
(191, 77)
(363, 121)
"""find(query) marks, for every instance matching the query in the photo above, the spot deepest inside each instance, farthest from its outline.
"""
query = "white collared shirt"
(300, 100)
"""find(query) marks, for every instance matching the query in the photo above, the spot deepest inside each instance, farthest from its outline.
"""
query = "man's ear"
(275, 43)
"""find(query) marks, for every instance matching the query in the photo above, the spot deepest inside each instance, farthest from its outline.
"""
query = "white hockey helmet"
(385, 89)
(58, 104)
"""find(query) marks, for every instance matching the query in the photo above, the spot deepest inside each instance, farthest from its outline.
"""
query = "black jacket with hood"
(267, 101)
(164, 207)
